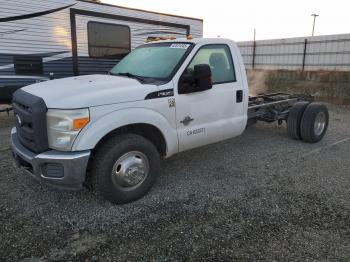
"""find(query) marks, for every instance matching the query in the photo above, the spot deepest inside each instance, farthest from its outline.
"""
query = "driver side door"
(213, 115)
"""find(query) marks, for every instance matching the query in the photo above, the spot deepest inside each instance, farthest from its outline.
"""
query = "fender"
(96, 130)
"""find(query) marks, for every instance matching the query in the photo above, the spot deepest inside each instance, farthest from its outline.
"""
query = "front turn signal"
(80, 123)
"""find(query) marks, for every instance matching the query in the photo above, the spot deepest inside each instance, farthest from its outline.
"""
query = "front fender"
(96, 130)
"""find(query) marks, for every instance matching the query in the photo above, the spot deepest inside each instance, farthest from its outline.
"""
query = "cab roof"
(196, 41)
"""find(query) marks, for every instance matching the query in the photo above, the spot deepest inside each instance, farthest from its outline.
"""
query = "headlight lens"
(63, 126)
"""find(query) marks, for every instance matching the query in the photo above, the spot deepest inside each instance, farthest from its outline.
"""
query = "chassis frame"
(273, 107)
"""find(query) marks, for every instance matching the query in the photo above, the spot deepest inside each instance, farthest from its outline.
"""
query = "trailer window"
(28, 65)
(108, 40)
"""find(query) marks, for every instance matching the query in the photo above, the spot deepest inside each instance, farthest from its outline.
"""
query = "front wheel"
(125, 168)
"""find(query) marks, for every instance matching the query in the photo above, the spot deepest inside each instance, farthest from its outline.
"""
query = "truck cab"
(112, 130)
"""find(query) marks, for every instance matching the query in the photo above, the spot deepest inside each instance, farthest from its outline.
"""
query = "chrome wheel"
(320, 123)
(130, 170)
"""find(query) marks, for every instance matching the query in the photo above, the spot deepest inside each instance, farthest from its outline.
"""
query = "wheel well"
(150, 132)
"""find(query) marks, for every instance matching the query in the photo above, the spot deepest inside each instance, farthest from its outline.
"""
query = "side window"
(28, 65)
(218, 57)
(108, 40)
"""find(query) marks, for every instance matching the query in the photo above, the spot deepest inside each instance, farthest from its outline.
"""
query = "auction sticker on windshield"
(182, 46)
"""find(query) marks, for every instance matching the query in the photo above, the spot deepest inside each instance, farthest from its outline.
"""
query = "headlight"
(63, 126)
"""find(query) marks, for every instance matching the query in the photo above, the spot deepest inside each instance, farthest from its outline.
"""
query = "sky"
(271, 18)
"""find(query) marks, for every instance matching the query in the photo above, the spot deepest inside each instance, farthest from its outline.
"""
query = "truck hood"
(90, 90)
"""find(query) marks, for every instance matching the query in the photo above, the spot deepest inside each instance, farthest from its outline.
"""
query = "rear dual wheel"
(314, 123)
(294, 119)
(308, 121)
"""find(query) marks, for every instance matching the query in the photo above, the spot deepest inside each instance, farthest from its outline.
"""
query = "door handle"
(186, 120)
(239, 96)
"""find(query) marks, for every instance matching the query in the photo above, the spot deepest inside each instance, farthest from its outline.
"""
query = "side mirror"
(202, 74)
(201, 80)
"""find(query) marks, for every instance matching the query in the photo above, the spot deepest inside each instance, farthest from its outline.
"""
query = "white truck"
(165, 97)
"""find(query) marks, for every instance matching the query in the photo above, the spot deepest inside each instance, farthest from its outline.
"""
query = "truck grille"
(30, 112)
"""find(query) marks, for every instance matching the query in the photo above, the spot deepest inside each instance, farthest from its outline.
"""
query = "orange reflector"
(159, 38)
(80, 123)
(189, 37)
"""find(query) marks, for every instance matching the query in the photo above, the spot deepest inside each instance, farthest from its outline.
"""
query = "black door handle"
(239, 96)
(187, 120)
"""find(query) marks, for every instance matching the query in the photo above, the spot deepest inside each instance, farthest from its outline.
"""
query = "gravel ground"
(261, 196)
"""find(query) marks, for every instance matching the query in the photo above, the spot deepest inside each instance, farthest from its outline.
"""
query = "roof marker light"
(159, 38)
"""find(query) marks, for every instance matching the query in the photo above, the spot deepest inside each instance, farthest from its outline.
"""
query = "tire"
(118, 164)
(294, 119)
(314, 123)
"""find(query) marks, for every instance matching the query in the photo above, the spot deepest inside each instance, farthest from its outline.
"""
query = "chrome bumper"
(60, 170)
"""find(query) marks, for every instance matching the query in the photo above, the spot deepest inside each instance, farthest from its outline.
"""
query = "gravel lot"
(261, 196)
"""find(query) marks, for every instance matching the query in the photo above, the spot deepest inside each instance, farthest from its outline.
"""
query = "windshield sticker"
(182, 46)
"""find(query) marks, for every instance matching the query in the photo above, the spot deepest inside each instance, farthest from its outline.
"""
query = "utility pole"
(313, 27)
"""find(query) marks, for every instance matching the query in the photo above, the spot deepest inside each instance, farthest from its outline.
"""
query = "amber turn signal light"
(80, 123)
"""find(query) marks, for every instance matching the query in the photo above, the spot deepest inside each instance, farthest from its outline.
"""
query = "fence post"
(254, 46)
(304, 54)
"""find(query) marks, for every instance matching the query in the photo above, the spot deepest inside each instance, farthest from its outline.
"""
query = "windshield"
(152, 61)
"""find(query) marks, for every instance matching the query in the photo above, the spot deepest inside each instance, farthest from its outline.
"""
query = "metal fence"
(331, 52)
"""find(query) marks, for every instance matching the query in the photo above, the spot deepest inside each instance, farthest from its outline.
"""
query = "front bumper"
(60, 170)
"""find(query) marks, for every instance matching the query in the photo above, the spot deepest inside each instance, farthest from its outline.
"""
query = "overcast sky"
(271, 18)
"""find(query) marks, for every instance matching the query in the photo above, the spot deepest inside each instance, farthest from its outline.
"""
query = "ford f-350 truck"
(111, 131)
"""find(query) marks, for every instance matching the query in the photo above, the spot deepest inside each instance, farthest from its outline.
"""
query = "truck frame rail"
(273, 107)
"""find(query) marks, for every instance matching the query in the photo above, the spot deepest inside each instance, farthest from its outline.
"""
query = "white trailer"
(63, 38)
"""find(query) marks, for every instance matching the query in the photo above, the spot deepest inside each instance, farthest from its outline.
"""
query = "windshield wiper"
(130, 75)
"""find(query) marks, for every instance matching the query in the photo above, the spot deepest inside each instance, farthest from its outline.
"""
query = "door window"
(219, 58)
